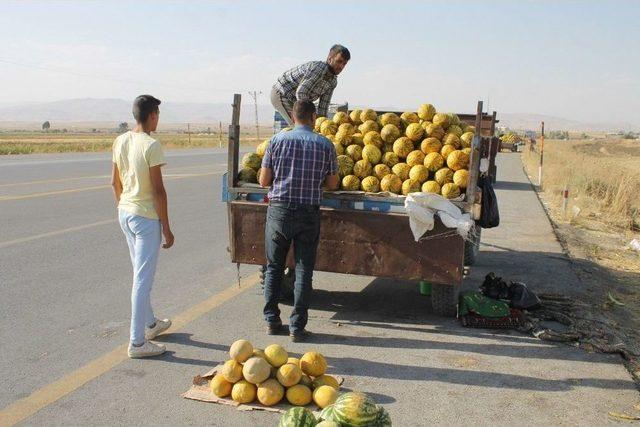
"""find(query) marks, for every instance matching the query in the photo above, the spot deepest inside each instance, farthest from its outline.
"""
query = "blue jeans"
(287, 223)
(144, 238)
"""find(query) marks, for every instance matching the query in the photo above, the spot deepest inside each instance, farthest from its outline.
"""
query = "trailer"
(367, 234)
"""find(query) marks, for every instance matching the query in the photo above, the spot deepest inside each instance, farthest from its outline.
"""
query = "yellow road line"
(55, 233)
(95, 187)
(24, 408)
(75, 178)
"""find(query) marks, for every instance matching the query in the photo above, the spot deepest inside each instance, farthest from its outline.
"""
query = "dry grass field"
(602, 218)
(41, 142)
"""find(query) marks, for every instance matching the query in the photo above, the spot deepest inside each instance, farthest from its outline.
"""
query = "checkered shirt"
(300, 160)
(310, 81)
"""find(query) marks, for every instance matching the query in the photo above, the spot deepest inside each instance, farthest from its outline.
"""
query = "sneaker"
(299, 336)
(274, 328)
(148, 349)
(161, 326)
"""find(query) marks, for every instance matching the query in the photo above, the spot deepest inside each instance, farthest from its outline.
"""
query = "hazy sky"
(574, 59)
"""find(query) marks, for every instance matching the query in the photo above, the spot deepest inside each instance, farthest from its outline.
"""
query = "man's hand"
(168, 238)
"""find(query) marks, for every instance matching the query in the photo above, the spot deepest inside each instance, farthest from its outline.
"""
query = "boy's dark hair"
(143, 106)
(304, 110)
(339, 49)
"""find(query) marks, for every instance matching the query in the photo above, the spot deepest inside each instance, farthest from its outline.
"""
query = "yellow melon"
(390, 133)
(431, 187)
(350, 183)
(373, 138)
(452, 139)
(259, 353)
(260, 149)
(299, 395)
(450, 190)
(324, 396)
(457, 160)
(370, 184)
(243, 392)
(319, 121)
(433, 161)
(231, 371)
(355, 152)
(362, 169)
(355, 117)
(434, 131)
(414, 132)
(444, 175)
(241, 350)
(343, 138)
(391, 183)
(390, 158)
(402, 170)
(368, 114)
(381, 170)
(270, 392)
(340, 117)
(368, 126)
(409, 117)
(402, 147)
(347, 128)
(446, 150)
(442, 119)
(256, 370)
(466, 139)
(357, 138)
(461, 178)
(328, 127)
(313, 364)
(430, 145)
(289, 374)
(410, 186)
(419, 173)
(325, 380)
(426, 111)
(294, 360)
(306, 380)
(339, 148)
(220, 386)
(276, 355)
(416, 157)
(390, 119)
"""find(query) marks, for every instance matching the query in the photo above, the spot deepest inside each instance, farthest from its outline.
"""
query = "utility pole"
(254, 94)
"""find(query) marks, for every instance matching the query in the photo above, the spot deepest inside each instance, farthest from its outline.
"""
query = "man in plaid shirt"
(296, 165)
(310, 81)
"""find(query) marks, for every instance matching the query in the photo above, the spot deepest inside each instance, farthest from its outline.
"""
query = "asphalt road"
(65, 295)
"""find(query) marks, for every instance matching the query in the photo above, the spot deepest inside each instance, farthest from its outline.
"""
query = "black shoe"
(274, 328)
(300, 336)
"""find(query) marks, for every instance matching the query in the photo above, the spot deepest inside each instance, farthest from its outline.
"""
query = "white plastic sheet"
(422, 207)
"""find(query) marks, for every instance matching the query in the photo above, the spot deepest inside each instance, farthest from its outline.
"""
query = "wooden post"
(234, 143)
(474, 159)
(541, 157)
(492, 149)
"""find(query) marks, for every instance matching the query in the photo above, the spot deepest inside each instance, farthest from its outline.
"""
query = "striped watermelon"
(355, 409)
(383, 419)
(327, 414)
(298, 417)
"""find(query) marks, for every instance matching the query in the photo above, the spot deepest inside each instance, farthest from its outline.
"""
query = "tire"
(287, 286)
(444, 299)
(472, 246)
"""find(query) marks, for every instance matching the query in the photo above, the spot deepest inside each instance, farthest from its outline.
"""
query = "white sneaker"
(161, 326)
(147, 349)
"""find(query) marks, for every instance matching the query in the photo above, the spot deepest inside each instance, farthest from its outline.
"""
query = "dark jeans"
(286, 223)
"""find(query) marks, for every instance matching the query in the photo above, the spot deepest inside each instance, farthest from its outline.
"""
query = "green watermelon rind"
(364, 415)
(298, 417)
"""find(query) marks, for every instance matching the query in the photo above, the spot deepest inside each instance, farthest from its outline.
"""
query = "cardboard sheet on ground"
(200, 391)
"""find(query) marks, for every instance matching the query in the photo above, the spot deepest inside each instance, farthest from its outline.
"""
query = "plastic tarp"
(422, 208)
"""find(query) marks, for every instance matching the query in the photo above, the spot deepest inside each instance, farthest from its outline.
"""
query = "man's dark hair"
(143, 106)
(304, 110)
(339, 49)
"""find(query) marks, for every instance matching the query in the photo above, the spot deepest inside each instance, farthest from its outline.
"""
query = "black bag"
(489, 214)
(494, 287)
(522, 298)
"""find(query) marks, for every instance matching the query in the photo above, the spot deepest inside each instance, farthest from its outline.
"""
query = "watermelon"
(327, 414)
(355, 409)
(383, 419)
(298, 417)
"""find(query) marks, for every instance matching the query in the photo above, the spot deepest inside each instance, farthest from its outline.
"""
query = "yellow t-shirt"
(135, 153)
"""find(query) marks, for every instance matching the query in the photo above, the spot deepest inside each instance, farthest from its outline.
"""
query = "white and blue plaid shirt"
(310, 81)
(300, 160)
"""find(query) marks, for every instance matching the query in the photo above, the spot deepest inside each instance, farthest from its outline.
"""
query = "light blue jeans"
(144, 237)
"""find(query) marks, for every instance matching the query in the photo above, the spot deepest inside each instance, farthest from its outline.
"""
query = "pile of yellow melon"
(270, 375)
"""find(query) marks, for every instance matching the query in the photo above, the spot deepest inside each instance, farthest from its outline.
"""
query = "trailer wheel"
(444, 299)
(472, 246)
(288, 280)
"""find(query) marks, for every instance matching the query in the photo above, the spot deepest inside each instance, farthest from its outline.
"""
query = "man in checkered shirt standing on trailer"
(310, 81)
(296, 165)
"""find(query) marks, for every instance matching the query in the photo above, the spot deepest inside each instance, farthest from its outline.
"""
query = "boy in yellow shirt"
(142, 212)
